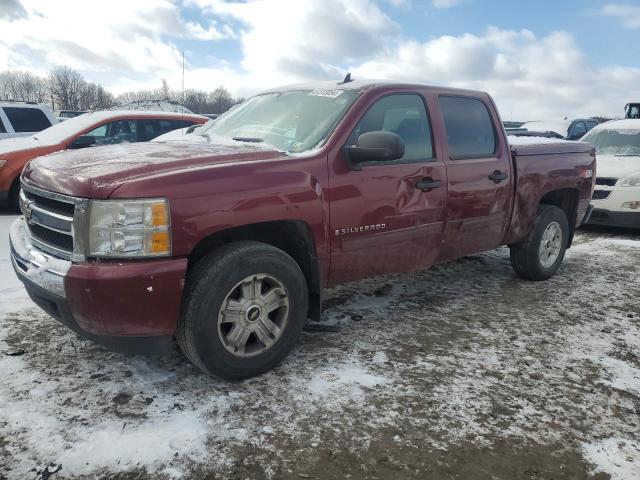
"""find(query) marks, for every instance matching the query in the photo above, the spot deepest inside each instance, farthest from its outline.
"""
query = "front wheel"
(245, 307)
(540, 255)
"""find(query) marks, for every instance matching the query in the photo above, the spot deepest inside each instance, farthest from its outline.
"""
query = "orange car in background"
(89, 130)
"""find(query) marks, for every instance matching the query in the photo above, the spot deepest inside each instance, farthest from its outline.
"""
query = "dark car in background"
(566, 129)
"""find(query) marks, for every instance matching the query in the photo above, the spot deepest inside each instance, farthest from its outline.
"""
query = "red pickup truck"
(226, 242)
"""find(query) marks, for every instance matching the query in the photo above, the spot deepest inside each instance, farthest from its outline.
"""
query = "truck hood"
(97, 172)
(616, 166)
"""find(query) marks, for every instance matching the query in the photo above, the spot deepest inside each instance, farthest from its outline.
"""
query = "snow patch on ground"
(342, 383)
(463, 353)
(620, 458)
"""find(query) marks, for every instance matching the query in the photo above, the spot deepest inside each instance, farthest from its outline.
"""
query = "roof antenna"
(347, 79)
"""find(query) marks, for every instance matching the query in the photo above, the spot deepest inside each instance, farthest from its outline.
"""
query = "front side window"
(470, 132)
(404, 114)
(27, 119)
(579, 129)
(2, 128)
(120, 131)
(293, 121)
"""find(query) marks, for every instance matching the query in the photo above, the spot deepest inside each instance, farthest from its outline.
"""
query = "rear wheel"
(540, 255)
(245, 306)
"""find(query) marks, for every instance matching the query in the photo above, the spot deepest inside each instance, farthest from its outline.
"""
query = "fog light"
(634, 205)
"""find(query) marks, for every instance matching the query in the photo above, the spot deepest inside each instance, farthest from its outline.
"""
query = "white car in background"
(616, 199)
(22, 119)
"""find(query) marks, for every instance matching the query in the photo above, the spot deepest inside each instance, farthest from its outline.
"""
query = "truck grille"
(610, 182)
(600, 194)
(52, 220)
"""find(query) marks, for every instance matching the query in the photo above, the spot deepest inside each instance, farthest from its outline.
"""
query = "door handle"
(428, 183)
(497, 176)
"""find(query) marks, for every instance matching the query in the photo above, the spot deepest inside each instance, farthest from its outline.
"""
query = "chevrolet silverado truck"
(226, 242)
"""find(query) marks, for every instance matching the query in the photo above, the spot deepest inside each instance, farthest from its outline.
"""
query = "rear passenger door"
(479, 177)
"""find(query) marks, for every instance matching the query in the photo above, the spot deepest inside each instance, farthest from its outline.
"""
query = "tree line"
(66, 89)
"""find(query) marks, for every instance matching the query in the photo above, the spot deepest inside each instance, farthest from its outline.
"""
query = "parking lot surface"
(462, 371)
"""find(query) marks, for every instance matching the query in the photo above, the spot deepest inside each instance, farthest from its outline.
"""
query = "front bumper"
(610, 218)
(129, 306)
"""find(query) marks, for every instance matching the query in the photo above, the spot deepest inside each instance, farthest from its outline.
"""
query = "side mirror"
(83, 141)
(192, 128)
(378, 146)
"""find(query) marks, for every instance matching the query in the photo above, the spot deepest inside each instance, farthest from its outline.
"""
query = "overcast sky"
(539, 59)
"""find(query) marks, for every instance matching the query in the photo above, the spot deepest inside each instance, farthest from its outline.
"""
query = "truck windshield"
(614, 142)
(292, 121)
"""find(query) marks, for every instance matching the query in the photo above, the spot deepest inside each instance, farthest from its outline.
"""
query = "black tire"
(14, 196)
(208, 286)
(525, 256)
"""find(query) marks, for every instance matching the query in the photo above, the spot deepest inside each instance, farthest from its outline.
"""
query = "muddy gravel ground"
(460, 372)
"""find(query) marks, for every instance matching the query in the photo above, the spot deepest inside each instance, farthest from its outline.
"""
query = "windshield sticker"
(325, 92)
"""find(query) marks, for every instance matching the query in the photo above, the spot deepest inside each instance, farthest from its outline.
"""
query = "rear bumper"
(129, 306)
(611, 218)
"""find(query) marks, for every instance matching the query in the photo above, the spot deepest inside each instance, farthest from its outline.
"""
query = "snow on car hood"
(614, 166)
(9, 145)
(97, 171)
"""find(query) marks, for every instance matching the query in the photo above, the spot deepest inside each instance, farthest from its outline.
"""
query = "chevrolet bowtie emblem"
(27, 211)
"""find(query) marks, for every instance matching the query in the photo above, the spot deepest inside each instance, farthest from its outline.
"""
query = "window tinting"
(579, 128)
(470, 132)
(152, 128)
(119, 131)
(27, 119)
(404, 115)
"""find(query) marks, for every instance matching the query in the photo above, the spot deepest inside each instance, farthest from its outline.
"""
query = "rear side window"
(153, 128)
(579, 129)
(402, 114)
(27, 119)
(470, 132)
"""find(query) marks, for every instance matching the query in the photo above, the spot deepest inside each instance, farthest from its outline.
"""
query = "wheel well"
(567, 200)
(13, 191)
(291, 236)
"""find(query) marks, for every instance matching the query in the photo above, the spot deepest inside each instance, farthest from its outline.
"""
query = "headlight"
(129, 228)
(2, 163)
(631, 181)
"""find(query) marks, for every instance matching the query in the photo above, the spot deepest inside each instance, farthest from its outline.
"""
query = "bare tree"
(66, 87)
(220, 100)
(165, 91)
(22, 86)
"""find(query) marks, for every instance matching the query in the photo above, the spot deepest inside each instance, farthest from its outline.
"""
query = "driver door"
(382, 220)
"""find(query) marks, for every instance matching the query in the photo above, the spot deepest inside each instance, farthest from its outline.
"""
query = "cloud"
(11, 9)
(529, 77)
(289, 41)
(305, 39)
(629, 15)
(124, 39)
(446, 3)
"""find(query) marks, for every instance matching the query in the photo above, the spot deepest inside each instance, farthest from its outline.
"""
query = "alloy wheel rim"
(550, 245)
(253, 315)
